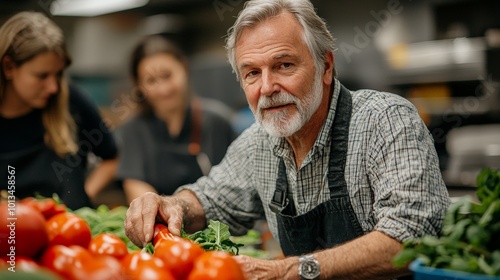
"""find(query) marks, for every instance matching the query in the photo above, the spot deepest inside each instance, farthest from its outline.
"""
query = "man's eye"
(252, 74)
(286, 65)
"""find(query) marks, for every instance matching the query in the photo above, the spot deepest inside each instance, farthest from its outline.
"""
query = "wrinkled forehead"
(285, 22)
(283, 28)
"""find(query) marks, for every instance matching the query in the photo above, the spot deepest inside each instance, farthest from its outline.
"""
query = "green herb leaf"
(216, 237)
(149, 248)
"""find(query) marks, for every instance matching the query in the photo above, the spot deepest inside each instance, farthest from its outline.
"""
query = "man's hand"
(256, 269)
(146, 210)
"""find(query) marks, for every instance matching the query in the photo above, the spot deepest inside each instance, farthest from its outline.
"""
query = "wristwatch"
(308, 267)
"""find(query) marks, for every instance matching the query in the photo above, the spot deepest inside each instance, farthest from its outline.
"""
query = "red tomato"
(68, 229)
(3, 264)
(108, 244)
(76, 263)
(216, 265)
(27, 264)
(161, 232)
(179, 255)
(98, 268)
(22, 230)
(20, 263)
(47, 206)
(142, 265)
(61, 259)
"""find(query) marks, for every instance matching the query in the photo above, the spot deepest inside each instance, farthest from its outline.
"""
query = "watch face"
(309, 269)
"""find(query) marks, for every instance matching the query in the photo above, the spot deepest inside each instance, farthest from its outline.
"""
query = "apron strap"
(194, 147)
(280, 194)
(338, 152)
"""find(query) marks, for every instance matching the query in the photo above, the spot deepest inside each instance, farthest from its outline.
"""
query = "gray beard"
(285, 123)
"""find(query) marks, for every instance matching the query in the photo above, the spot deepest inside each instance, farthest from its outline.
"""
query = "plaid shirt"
(392, 172)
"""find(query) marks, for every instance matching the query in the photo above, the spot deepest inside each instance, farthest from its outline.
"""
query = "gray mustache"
(275, 100)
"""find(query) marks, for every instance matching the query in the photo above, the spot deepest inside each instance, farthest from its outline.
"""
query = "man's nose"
(269, 82)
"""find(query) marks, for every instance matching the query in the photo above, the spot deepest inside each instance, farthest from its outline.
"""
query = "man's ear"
(8, 66)
(329, 68)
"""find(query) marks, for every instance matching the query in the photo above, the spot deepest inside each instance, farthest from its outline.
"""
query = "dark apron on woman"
(178, 163)
(332, 222)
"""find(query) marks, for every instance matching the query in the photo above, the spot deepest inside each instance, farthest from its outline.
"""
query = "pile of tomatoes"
(40, 236)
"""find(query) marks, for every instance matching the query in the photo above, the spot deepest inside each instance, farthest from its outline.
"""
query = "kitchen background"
(443, 55)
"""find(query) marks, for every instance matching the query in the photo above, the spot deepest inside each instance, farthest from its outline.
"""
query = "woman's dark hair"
(151, 45)
(148, 46)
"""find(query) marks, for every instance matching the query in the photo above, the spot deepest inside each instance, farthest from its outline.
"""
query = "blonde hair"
(22, 37)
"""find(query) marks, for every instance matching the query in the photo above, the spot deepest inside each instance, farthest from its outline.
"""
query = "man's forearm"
(367, 257)
(194, 215)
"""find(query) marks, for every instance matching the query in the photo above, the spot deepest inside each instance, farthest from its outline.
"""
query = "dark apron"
(171, 167)
(332, 222)
(184, 163)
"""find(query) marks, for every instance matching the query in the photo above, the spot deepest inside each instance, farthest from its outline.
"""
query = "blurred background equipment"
(471, 148)
(443, 55)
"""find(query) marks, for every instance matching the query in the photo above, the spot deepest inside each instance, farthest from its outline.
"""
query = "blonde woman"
(47, 128)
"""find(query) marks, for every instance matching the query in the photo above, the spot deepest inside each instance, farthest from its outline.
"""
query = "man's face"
(278, 75)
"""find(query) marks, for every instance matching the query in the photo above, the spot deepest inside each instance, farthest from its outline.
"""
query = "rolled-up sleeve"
(410, 196)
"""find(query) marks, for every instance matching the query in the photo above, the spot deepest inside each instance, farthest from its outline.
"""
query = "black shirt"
(38, 170)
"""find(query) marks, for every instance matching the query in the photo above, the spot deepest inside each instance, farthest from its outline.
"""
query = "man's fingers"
(174, 225)
(144, 212)
(140, 220)
(151, 202)
(133, 224)
(172, 216)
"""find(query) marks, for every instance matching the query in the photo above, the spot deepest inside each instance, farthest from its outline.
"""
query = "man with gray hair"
(342, 177)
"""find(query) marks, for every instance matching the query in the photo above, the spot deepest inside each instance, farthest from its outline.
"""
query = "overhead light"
(90, 8)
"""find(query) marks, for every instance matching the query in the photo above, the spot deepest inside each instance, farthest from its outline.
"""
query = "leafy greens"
(469, 239)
